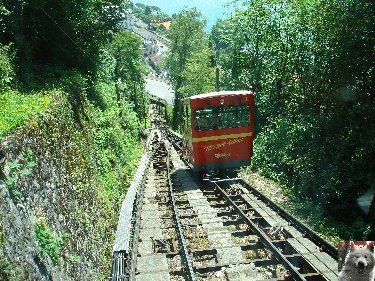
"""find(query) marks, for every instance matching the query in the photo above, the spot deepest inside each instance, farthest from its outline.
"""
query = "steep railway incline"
(218, 229)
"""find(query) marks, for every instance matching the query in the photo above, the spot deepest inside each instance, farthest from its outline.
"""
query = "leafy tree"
(148, 10)
(68, 33)
(199, 74)
(155, 9)
(7, 56)
(217, 32)
(311, 66)
(129, 69)
(3, 13)
(187, 36)
(7, 71)
(140, 6)
(150, 14)
(125, 48)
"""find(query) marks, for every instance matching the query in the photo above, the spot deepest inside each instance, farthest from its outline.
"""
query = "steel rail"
(303, 228)
(185, 253)
(173, 138)
(118, 270)
(307, 231)
(263, 237)
(324, 246)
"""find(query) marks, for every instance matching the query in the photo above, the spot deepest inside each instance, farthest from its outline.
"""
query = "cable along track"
(215, 231)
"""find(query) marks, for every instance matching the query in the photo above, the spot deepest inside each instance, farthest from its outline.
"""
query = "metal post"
(217, 80)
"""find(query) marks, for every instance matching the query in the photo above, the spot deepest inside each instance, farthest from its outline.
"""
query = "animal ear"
(370, 246)
(352, 245)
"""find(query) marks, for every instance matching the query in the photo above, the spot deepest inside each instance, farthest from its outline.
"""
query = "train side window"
(230, 116)
(237, 116)
(222, 117)
(202, 119)
(245, 115)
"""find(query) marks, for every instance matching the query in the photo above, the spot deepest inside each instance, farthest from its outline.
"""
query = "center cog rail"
(186, 256)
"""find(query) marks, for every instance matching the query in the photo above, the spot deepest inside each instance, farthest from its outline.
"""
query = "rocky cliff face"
(53, 223)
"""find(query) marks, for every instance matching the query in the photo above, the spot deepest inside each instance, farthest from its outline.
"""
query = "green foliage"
(73, 82)
(115, 139)
(310, 65)
(199, 75)
(330, 228)
(116, 151)
(67, 34)
(187, 37)
(66, 49)
(49, 242)
(74, 259)
(7, 72)
(129, 70)
(151, 15)
(100, 161)
(7, 269)
(3, 12)
(17, 109)
(169, 115)
(103, 149)
(19, 168)
(308, 211)
(125, 49)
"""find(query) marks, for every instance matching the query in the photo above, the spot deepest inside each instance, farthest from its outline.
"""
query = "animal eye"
(357, 257)
(365, 257)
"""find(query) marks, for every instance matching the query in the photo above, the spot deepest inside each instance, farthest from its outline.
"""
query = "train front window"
(221, 117)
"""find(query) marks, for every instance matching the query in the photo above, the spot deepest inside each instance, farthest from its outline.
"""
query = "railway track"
(215, 230)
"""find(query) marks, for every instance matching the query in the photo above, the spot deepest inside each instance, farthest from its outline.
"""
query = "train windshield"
(222, 117)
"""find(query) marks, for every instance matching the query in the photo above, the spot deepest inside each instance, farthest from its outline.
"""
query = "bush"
(17, 108)
(292, 152)
(7, 73)
(49, 242)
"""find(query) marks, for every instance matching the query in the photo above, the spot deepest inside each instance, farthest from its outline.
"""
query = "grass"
(16, 108)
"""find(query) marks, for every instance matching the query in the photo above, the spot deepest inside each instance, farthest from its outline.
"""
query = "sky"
(210, 9)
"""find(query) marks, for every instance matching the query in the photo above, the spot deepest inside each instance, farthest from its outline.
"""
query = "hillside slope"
(63, 177)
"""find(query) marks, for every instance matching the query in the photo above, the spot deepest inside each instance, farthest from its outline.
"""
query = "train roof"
(221, 93)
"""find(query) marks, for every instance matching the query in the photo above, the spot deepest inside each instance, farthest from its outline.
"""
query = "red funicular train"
(217, 130)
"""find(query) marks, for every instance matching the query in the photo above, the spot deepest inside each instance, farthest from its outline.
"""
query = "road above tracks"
(158, 87)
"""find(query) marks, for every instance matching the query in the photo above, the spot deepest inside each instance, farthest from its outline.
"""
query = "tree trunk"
(175, 112)
(118, 98)
(135, 100)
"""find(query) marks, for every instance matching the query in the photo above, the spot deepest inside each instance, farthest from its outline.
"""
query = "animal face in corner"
(359, 264)
(361, 258)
